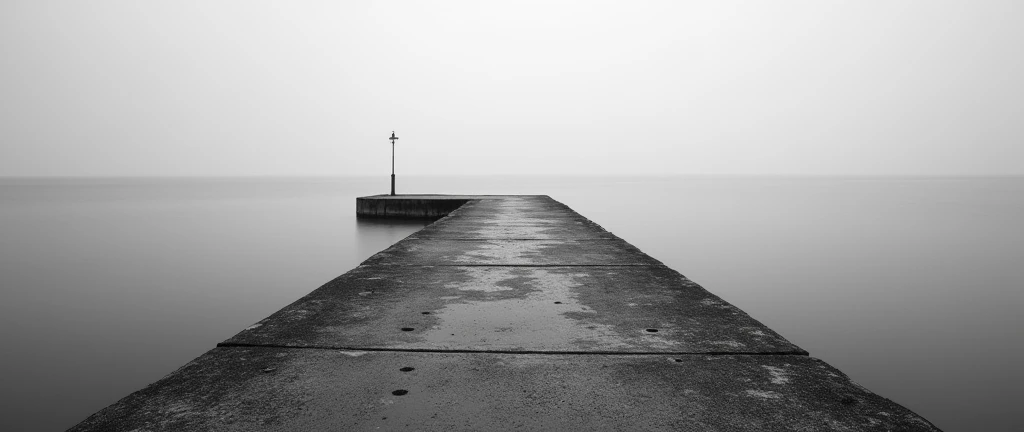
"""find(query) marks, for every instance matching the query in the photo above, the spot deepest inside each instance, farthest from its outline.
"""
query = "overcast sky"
(291, 87)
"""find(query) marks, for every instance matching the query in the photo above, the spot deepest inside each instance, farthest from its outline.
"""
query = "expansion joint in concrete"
(482, 239)
(533, 352)
(514, 265)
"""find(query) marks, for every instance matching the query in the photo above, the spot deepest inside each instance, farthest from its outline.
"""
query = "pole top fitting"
(393, 137)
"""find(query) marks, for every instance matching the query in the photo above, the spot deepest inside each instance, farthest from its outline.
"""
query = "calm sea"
(912, 286)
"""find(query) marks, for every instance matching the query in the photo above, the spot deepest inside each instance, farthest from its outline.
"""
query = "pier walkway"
(512, 312)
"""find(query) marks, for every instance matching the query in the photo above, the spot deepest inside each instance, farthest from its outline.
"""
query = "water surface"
(911, 286)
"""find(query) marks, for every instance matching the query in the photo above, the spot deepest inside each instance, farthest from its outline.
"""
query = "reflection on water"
(912, 286)
(372, 233)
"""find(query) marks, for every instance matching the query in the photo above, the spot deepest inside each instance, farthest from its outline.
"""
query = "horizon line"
(613, 175)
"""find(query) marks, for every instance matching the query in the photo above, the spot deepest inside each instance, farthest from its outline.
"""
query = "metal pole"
(393, 138)
(392, 167)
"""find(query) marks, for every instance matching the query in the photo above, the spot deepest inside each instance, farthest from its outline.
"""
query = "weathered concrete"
(417, 252)
(531, 309)
(513, 312)
(259, 389)
(471, 229)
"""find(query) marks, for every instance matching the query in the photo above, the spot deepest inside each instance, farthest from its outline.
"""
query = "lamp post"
(393, 138)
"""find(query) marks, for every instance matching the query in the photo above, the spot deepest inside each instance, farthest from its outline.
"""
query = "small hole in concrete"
(425, 313)
(677, 360)
(651, 330)
(407, 369)
(558, 302)
(407, 329)
(400, 392)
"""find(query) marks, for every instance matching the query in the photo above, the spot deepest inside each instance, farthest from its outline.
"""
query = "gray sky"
(480, 87)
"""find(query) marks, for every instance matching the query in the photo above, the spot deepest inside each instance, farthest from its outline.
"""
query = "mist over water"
(912, 286)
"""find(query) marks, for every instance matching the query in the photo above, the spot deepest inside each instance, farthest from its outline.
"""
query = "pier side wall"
(407, 208)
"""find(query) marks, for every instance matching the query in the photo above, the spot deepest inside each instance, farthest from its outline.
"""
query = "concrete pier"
(511, 312)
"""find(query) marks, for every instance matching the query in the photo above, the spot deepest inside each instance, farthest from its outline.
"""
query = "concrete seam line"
(513, 265)
(534, 352)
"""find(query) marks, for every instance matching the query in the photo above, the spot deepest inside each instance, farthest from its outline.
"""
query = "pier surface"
(511, 312)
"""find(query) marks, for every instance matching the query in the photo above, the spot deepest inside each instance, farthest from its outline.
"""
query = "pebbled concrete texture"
(509, 313)
(270, 389)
